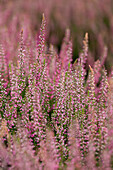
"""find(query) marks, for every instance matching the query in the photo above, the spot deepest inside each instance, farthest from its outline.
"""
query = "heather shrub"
(94, 17)
(53, 114)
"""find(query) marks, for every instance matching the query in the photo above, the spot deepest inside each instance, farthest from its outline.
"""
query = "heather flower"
(3, 81)
(74, 147)
(66, 50)
(41, 42)
(49, 152)
(52, 61)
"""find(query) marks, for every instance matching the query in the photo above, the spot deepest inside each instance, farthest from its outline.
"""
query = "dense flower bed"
(53, 114)
(92, 16)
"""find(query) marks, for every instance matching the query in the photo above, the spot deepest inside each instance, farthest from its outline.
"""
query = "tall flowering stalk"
(41, 41)
(103, 109)
(79, 97)
(92, 113)
(3, 81)
(60, 117)
(74, 146)
(66, 50)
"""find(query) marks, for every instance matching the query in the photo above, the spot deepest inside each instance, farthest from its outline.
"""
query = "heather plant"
(53, 114)
(80, 16)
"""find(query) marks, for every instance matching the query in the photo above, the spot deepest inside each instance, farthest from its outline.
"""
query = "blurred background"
(80, 16)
